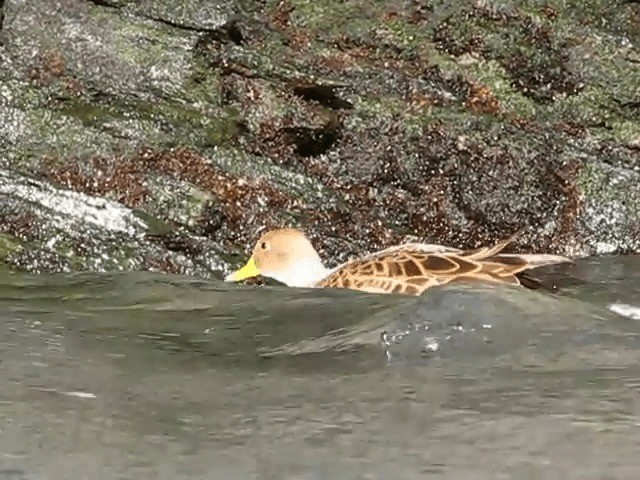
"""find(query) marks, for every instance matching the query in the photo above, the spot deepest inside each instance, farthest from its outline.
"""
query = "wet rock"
(167, 135)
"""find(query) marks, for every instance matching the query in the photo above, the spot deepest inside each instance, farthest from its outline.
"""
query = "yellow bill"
(248, 271)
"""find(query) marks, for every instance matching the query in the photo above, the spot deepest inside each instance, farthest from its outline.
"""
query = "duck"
(287, 256)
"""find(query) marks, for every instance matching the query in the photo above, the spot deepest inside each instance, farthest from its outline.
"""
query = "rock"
(196, 124)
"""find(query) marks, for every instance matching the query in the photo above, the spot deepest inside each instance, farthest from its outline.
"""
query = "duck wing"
(412, 268)
(402, 270)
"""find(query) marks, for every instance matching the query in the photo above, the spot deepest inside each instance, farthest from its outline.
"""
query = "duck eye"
(264, 245)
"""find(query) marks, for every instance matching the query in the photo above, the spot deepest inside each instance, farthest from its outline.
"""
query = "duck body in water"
(288, 256)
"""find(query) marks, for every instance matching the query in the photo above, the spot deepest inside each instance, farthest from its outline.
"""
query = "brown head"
(285, 255)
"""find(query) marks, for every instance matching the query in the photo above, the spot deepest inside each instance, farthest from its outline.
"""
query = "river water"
(142, 375)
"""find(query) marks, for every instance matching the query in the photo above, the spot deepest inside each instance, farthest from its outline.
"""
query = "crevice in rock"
(1, 14)
(105, 3)
(311, 142)
(323, 94)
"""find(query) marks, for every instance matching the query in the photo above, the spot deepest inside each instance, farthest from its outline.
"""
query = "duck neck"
(303, 274)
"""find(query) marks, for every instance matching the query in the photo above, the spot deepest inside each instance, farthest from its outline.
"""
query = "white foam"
(626, 310)
(80, 394)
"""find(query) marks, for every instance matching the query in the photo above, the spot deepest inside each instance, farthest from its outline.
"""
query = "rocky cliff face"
(163, 135)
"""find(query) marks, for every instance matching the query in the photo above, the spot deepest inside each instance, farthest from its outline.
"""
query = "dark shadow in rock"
(228, 33)
(232, 31)
(311, 142)
(224, 33)
(323, 94)
(106, 3)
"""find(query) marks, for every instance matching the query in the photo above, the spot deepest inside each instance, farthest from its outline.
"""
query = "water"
(141, 376)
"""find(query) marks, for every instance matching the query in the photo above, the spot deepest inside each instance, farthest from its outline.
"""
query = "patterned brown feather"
(411, 271)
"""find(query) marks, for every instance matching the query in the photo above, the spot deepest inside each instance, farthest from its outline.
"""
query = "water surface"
(141, 375)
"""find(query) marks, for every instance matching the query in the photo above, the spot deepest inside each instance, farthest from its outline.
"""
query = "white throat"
(302, 274)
